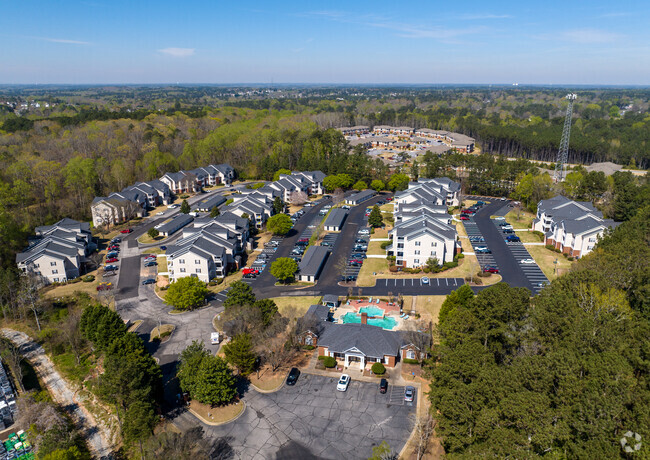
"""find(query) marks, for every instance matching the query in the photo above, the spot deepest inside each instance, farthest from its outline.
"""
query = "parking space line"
(447, 281)
(438, 280)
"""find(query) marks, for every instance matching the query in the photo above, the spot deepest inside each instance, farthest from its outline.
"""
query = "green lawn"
(300, 303)
(545, 258)
(525, 219)
(528, 237)
(374, 248)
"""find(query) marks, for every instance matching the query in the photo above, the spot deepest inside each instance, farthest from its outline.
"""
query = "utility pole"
(563, 152)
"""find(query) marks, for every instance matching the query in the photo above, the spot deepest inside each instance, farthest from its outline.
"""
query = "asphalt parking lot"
(312, 420)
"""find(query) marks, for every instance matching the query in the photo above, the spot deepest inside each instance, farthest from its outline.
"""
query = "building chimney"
(364, 318)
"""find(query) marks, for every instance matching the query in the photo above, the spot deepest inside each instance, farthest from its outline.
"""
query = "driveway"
(312, 420)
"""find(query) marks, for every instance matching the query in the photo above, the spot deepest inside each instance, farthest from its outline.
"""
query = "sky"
(344, 42)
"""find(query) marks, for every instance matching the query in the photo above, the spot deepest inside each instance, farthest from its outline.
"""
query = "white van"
(214, 338)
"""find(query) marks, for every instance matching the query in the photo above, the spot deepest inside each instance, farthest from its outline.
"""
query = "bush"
(320, 358)
(309, 347)
(410, 361)
(212, 283)
(551, 247)
(75, 280)
(385, 244)
(570, 258)
(378, 369)
(559, 251)
(329, 362)
(460, 256)
(88, 278)
(392, 268)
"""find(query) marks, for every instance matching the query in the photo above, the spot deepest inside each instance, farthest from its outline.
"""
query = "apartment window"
(198, 270)
(197, 261)
(181, 261)
(56, 280)
(418, 243)
(52, 264)
(417, 253)
(400, 245)
(592, 240)
(54, 272)
(434, 244)
(433, 253)
(37, 266)
(182, 270)
(416, 261)
(410, 354)
(589, 248)
(400, 254)
(400, 237)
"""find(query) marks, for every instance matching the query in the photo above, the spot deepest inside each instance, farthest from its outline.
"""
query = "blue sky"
(142, 41)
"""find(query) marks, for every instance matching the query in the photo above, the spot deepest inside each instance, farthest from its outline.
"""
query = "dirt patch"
(267, 380)
(163, 334)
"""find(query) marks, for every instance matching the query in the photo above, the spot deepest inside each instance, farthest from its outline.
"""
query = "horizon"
(367, 43)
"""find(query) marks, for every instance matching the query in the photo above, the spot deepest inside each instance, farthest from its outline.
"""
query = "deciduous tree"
(284, 269)
(186, 293)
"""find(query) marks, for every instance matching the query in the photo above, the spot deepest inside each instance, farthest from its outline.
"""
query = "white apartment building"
(417, 240)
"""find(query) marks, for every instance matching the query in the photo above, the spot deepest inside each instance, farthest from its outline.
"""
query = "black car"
(294, 373)
(149, 281)
(383, 386)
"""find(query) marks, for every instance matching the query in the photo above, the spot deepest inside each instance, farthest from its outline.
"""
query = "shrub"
(570, 258)
(320, 358)
(559, 251)
(309, 347)
(212, 283)
(75, 280)
(392, 268)
(88, 278)
(378, 368)
(165, 334)
(410, 361)
(460, 256)
(385, 244)
(551, 247)
(329, 362)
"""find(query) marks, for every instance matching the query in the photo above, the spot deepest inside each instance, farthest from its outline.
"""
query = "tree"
(185, 207)
(280, 224)
(383, 452)
(375, 219)
(239, 293)
(153, 233)
(377, 185)
(13, 357)
(239, 352)
(458, 298)
(279, 172)
(268, 308)
(284, 269)
(415, 171)
(186, 293)
(214, 212)
(298, 197)
(139, 421)
(360, 185)
(215, 382)
(278, 205)
(190, 364)
(432, 263)
(398, 182)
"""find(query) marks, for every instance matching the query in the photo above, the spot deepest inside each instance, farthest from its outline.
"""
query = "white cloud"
(177, 52)
(590, 36)
(471, 17)
(62, 40)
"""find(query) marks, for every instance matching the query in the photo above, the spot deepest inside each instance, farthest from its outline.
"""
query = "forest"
(561, 375)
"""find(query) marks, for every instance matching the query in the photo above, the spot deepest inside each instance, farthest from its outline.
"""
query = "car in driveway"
(292, 378)
(149, 281)
(527, 261)
(383, 386)
(409, 394)
(343, 382)
(490, 269)
(126, 230)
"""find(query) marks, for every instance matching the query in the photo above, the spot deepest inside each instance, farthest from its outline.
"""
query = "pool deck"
(390, 310)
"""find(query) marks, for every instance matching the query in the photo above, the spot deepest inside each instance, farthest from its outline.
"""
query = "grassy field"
(525, 219)
(465, 244)
(70, 288)
(153, 251)
(428, 306)
(162, 264)
(146, 239)
(381, 232)
(388, 207)
(374, 248)
(227, 281)
(217, 414)
(528, 237)
(545, 258)
(300, 303)
(164, 329)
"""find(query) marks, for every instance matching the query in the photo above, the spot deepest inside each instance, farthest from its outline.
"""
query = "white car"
(527, 261)
(173, 206)
(161, 213)
(364, 231)
(344, 381)
(425, 280)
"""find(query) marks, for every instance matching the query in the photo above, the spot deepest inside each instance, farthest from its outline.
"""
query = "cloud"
(614, 15)
(177, 52)
(471, 17)
(62, 40)
(587, 36)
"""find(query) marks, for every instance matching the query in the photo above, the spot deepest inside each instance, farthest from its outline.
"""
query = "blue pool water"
(386, 323)
(372, 311)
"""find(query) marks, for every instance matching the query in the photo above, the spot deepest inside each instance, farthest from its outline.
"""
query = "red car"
(126, 230)
(357, 261)
(490, 269)
(114, 259)
(464, 218)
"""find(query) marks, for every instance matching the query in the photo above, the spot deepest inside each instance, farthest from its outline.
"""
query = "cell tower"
(563, 153)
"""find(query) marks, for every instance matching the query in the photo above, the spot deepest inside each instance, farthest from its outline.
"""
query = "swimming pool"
(372, 311)
(386, 323)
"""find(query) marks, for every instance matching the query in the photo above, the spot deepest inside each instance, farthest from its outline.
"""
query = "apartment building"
(419, 239)
(573, 227)
(434, 192)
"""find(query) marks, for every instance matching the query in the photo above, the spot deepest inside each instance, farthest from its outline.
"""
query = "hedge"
(385, 244)
(410, 361)
(329, 362)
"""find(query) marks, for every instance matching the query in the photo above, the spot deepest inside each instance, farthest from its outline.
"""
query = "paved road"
(312, 420)
(97, 435)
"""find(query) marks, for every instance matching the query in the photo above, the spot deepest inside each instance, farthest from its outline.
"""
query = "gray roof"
(211, 202)
(321, 312)
(336, 218)
(370, 340)
(331, 298)
(175, 223)
(561, 208)
(425, 225)
(361, 196)
(313, 260)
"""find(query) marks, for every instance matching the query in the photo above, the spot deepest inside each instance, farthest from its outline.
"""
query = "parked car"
(173, 206)
(126, 230)
(343, 382)
(112, 255)
(464, 218)
(482, 250)
(292, 378)
(117, 239)
(149, 281)
(503, 224)
(527, 261)
(383, 386)
(364, 231)
(164, 248)
(409, 393)
(110, 267)
(160, 213)
(105, 286)
(110, 273)
(425, 280)
(361, 241)
(358, 261)
(508, 231)
(112, 259)
(113, 247)
(150, 263)
(490, 269)
(358, 255)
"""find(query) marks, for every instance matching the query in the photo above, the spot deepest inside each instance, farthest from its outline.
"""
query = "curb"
(259, 390)
(202, 420)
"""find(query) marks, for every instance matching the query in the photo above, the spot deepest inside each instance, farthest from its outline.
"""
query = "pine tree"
(375, 219)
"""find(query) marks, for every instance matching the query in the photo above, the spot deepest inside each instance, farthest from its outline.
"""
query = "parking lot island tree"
(190, 364)
(153, 233)
(216, 385)
(284, 269)
(185, 207)
(239, 293)
(375, 219)
(214, 212)
(186, 293)
(280, 224)
(239, 352)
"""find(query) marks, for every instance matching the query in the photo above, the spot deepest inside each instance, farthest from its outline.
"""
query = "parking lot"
(313, 420)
